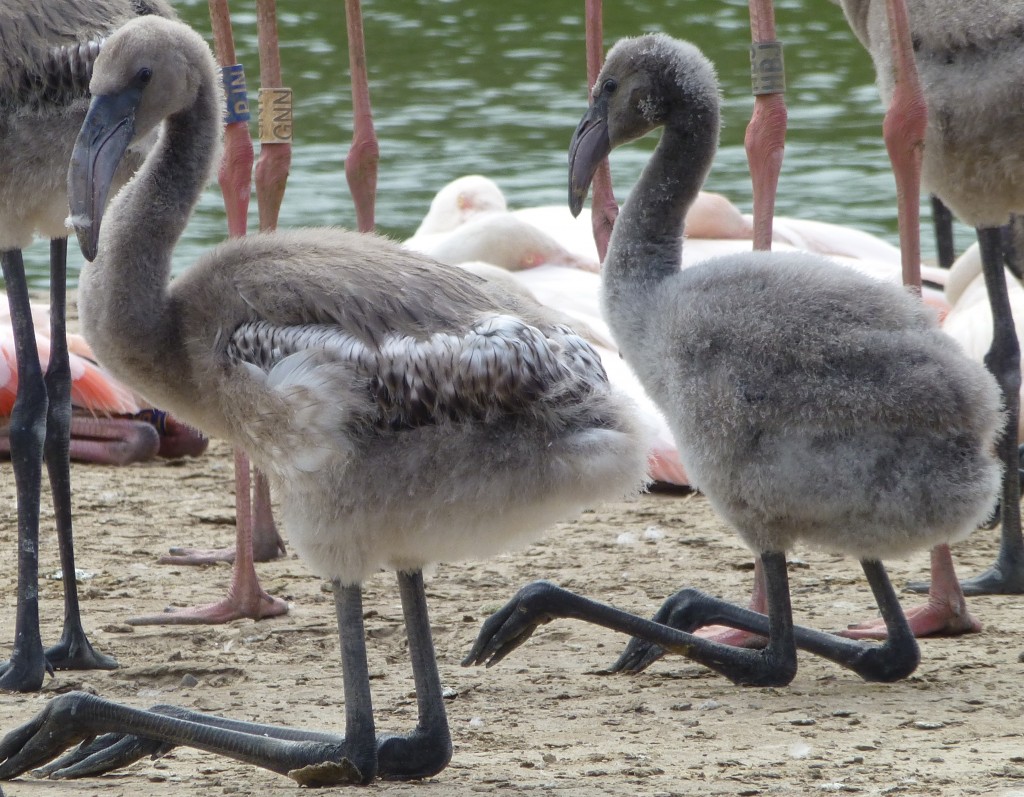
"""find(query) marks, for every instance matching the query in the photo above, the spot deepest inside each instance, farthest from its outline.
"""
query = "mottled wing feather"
(499, 366)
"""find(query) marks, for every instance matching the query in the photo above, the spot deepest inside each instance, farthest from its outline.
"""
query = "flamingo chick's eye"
(145, 75)
(610, 85)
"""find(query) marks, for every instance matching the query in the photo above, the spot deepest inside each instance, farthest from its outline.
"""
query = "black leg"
(77, 716)
(72, 651)
(114, 735)
(27, 667)
(126, 734)
(428, 749)
(541, 602)
(1006, 576)
(899, 655)
(774, 665)
(942, 221)
(360, 734)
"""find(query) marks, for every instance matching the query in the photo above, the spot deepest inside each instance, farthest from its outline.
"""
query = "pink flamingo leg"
(945, 613)
(733, 636)
(112, 441)
(904, 128)
(765, 139)
(364, 154)
(176, 439)
(604, 208)
(275, 133)
(103, 441)
(245, 598)
(271, 176)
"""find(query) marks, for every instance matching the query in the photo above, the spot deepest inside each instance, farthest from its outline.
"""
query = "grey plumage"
(47, 50)
(969, 60)
(381, 388)
(46, 55)
(810, 403)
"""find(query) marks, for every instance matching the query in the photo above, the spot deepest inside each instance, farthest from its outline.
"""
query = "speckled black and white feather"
(500, 365)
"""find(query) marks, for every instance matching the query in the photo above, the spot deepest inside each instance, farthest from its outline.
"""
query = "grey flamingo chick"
(406, 412)
(812, 404)
(970, 58)
(46, 54)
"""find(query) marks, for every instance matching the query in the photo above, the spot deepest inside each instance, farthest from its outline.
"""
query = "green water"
(463, 87)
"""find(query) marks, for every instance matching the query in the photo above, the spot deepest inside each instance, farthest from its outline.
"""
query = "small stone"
(652, 534)
(925, 725)
(118, 628)
(188, 680)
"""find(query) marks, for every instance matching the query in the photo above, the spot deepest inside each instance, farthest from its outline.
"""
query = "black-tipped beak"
(106, 133)
(589, 146)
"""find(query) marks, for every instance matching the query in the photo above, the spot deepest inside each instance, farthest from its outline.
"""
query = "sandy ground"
(544, 721)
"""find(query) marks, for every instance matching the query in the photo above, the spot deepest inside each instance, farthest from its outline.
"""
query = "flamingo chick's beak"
(107, 131)
(589, 146)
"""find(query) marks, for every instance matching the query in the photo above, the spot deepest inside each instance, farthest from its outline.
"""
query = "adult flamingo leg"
(604, 208)
(765, 138)
(257, 537)
(364, 153)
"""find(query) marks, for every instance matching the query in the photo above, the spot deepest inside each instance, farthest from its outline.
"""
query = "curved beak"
(108, 129)
(589, 146)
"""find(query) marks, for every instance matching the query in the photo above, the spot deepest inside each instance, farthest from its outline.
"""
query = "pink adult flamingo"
(109, 424)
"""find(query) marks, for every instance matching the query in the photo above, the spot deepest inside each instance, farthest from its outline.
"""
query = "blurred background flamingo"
(110, 425)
